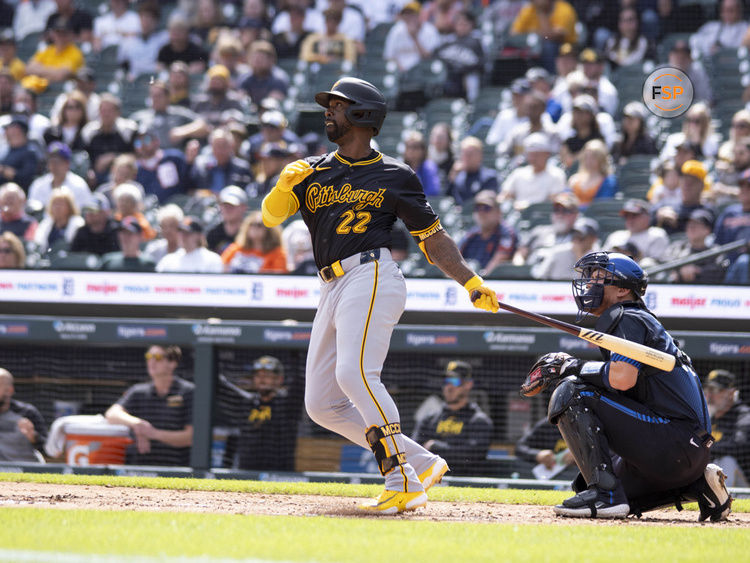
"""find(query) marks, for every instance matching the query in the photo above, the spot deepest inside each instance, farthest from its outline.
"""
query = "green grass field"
(50, 535)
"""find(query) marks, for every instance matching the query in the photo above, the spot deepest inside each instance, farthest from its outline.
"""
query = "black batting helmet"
(368, 107)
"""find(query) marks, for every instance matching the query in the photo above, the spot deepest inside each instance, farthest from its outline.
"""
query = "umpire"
(640, 436)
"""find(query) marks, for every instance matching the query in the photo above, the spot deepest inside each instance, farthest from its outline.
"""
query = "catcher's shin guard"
(379, 437)
(582, 432)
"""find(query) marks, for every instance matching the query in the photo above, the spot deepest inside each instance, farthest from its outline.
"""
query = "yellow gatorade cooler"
(96, 444)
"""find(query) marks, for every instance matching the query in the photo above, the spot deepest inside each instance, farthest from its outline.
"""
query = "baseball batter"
(349, 200)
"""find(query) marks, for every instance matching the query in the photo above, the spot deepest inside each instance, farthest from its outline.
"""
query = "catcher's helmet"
(368, 107)
(618, 270)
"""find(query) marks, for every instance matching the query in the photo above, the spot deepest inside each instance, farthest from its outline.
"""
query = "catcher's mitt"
(544, 372)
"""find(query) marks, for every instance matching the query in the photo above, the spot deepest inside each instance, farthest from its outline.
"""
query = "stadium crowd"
(141, 136)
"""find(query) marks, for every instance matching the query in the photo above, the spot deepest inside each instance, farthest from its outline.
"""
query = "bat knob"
(475, 295)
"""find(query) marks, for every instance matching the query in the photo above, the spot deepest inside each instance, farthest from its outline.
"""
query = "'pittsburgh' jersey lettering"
(323, 196)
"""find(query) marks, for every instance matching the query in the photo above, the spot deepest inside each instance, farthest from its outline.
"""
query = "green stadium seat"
(74, 261)
(510, 272)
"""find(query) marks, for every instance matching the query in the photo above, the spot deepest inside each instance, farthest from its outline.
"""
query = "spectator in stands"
(415, 155)
(313, 15)
(252, 30)
(116, 25)
(491, 242)
(273, 158)
(508, 118)
(288, 43)
(442, 14)
(122, 171)
(7, 88)
(179, 85)
(734, 222)
(539, 180)
(651, 242)
(60, 223)
(161, 117)
(541, 82)
(583, 128)
(727, 32)
(31, 17)
(740, 127)
(13, 215)
(265, 78)
(542, 445)
(666, 190)
(554, 21)
(692, 183)
(628, 46)
(565, 63)
(159, 413)
(99, 234)
(59, 176)
(410, 40)
(468, 176)
(267, 416)
(85, 84)
(192, 256)
(128, 198)
(297, 245)
(696, 128)
(708, 270)
(680, 57)
(80, 21)
(331, 45)
(463, 57)
(107, 137)
(220, 168)
(207, 21)
(8, 55)
(535, 242)
(138, 54)
(594, 179)
(60, 60)
(233, 208)
(440, 150)
(460, 432)
(256, 249)
(229, 53)
(730, 422)
(20, 163)
(181, 47)
(635, 136)
(22, 427)
(273, 129)
(169, 217)
(558, 262)
(537, 120)
(162, 173)
(67, 126)
(130, 257)
(593, 66)
(25, 104)
(12, 251)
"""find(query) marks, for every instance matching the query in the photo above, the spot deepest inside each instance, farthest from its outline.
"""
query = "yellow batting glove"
(292, 174)
(482, 296)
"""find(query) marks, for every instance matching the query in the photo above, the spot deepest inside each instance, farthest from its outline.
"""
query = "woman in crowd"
(440, 149)
(129, 203)
(12, 253)
(256, 250)
(594, 179)
(67, 124)
(60, 223)
(627, 46)
(696, 128)
(635, 136)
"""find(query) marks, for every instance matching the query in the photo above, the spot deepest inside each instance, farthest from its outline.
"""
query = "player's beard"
(337, 131)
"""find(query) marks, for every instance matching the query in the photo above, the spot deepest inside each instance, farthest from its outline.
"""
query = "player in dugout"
(349, 200)
(640, 436)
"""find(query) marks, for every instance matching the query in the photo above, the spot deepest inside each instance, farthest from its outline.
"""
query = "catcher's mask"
(597, 269)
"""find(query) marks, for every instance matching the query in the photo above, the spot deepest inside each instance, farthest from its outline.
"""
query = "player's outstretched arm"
(280, 203)
(444, 253)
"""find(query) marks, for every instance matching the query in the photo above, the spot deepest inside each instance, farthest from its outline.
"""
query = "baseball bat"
(633, 350)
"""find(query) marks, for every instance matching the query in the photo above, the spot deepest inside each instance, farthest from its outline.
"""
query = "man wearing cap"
(537, 121)
(181, 46)
(491, 242)
(469, 176)
(192, 256)
(461, 431)
(558, 262)
(265, 78)
(138, 54)
(61, 59)
(538, 181)
(410, 40)
(692, 184)
(99, 234)
(273, 129)
(220, 167)
(13, 216)
(708, 270)
(651, 241)
(161, 117)
(510, 117)
(59, 176)
(162, 173)
(19, 164)
(233, 208)
(129, 258)
(272, 159)
(534, 243)
(266, 412)
(730, 426)
(593, 69)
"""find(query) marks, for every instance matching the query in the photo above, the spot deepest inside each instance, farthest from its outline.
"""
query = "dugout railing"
(89, 362)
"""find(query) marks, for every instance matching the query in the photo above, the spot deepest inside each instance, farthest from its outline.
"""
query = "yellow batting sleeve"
(277, 206)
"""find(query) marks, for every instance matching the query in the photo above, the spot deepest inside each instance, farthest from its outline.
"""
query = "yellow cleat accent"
(393, 502)
(434, 474)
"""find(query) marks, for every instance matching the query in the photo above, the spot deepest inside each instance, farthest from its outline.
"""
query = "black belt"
(705, 437)
(339, 267)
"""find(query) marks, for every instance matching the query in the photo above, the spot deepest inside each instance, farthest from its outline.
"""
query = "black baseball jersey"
(350, 205)
(541, 436)
(732, 434)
